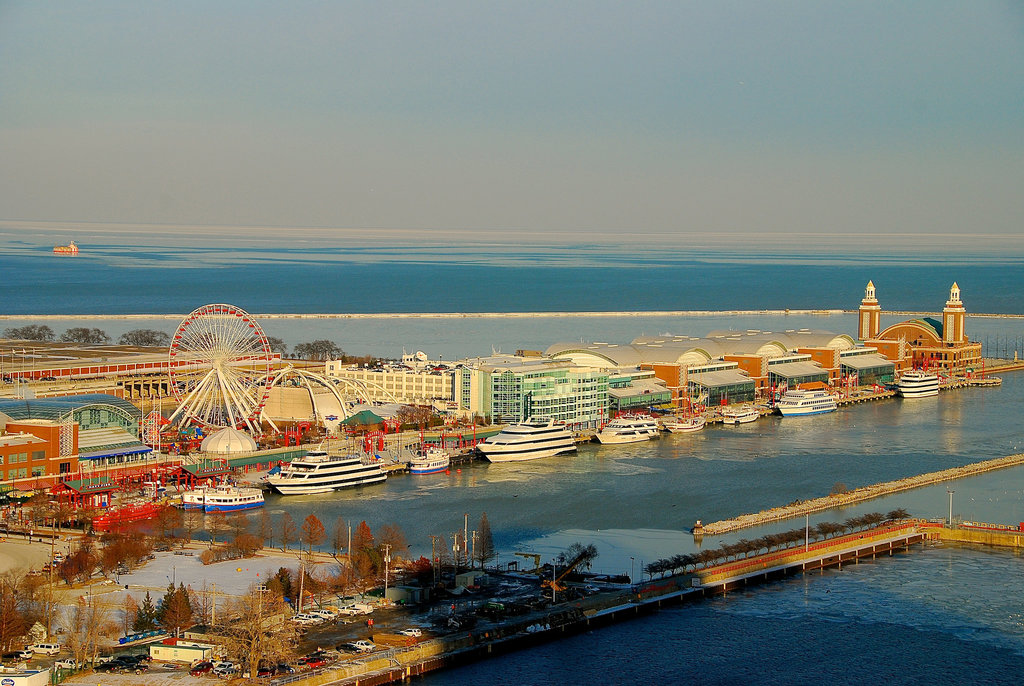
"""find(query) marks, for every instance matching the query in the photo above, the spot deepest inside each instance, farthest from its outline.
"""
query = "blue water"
(143, 273)
(938, 615)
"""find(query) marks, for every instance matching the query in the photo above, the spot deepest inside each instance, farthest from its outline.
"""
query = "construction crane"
(556, 585)
(533, 556)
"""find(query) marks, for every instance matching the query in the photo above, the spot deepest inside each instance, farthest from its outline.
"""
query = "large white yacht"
(630, 428)
(536, 437)
(918, 384)
(799, 403)
(319, 472)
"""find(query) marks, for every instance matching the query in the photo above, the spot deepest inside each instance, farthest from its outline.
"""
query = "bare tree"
(313, 532)
(485, 541)
(192, 521)
(85, 624)
(146, 338)
(288, 530)
(31, 332)
(81, 334)
(265, 528)
(339, 536)
(258, 634)
(13, 618)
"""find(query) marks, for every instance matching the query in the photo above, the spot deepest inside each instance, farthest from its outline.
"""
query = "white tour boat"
(534, 438)
(222, 499)
(434, 461)
(319, 472)
(918, 384)
(631, 428)
(800, 403)
(740, 414)
(683, 425)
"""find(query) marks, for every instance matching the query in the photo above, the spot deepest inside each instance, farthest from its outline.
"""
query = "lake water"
(938, 615)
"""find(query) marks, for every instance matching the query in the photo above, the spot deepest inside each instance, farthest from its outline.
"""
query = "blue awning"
(116, 452)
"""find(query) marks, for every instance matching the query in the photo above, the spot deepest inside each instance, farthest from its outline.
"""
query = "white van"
(45, 648)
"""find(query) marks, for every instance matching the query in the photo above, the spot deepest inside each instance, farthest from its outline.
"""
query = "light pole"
(387, 561)
(631, 569)
(949, 522)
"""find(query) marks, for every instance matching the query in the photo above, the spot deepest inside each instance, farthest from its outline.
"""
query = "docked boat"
(741, 414)
(536, 437)
(123, 515)
(319, 472)
(222, 499)
(629, 429)
(683, 425)
(918, 384)
(69, 249)
(800, 403)
(435, 460)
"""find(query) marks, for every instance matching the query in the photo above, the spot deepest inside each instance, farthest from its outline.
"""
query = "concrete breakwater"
(798, 509)
(492, 315)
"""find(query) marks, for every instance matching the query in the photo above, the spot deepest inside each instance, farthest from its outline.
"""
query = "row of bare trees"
(783, 539)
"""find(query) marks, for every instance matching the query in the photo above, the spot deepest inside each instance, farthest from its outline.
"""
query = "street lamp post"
(631, 559)
(949, 522)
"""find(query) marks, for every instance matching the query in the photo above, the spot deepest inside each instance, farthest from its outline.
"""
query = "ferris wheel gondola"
(219, 360)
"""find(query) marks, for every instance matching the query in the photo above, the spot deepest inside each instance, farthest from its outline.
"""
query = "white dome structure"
(228, 440)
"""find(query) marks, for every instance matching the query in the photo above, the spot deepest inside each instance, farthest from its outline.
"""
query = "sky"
(588, 116)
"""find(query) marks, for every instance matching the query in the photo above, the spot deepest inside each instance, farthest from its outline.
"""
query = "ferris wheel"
(219, 358)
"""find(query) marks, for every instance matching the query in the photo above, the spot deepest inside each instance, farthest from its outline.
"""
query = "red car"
(313, 662)
(201, 668)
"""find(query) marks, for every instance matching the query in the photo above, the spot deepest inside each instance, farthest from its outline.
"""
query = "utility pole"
(465, 538)
(387, 561)
(213, 607)
(434, 560)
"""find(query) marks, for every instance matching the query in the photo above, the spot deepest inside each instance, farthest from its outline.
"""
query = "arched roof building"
(695, 352)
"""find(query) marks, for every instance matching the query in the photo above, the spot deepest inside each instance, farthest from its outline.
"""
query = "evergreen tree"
(145, 618)
(485, 542)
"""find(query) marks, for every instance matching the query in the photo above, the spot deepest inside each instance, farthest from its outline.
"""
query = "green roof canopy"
(363, 418)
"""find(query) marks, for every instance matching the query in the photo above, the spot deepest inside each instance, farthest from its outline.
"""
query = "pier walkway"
(801, 508)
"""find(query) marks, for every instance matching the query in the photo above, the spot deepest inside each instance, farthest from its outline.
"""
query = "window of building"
(39, 471)
(65, 467)
(38, 454)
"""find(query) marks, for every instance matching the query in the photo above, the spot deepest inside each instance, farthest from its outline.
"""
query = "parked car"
(284, 669)
(364, 646)
(24, 654)
(223, 668)
(307, 618)
(67, 663)
(313, 662)
(45, 648)
(411, 632)
(201, 668)
(322, 614)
